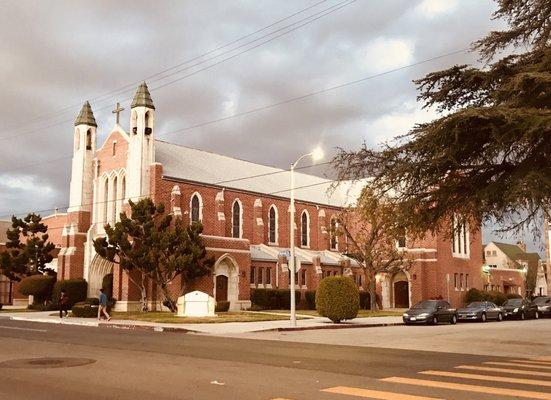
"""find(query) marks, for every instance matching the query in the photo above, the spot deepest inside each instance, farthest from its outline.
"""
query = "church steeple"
(142, 98)
(86, 116)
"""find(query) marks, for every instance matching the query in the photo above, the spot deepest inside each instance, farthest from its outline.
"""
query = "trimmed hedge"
(84, 310)
(310, 297)
(76, 289)
(39, 286)
(222, 306)
(273, 299)
(495, 297)
(338, 298)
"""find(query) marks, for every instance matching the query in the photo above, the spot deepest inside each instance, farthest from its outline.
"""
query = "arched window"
(114, 201)
(334, 241)
(236, 219)
(147, 123)
(105, 201)
(272, 225)
(134, 122)
(305, 229)
(114, 148)
(89, 139)
(195, 208)
(123, 188)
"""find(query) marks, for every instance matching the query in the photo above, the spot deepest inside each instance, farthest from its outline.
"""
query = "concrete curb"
(334, 326)
(95, 324)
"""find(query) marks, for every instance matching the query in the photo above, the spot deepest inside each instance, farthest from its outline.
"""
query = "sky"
(55, 55)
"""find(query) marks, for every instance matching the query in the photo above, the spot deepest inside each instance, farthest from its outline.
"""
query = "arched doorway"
(99, 267)
(226, 280)
(400, 289)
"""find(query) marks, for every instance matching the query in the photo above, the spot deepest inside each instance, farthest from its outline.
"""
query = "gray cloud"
(56, 54)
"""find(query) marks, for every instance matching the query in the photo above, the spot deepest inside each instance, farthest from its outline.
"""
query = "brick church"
(244, 208)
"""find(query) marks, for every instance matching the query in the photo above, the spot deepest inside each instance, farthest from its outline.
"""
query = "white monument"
(196, 304)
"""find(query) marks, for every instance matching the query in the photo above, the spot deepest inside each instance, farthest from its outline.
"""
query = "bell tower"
(84, 150)
(141, 150)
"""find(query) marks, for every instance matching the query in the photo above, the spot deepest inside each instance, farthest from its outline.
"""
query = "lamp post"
(316, 155)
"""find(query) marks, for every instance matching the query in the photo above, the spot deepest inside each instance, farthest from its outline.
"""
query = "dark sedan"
(520, 309)
(544, 305)
(430, 312)
(480, 311)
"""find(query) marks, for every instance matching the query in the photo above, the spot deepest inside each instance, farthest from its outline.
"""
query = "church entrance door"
(401, 294)
(221, 288)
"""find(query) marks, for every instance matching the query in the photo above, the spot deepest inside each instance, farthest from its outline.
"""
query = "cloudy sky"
(56, 54)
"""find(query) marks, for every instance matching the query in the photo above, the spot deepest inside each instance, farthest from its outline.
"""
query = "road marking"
(533, 362)
(488, 378)
(518, 364)
(470, 388)
(23, 329)
(374, 394)
(505, 370)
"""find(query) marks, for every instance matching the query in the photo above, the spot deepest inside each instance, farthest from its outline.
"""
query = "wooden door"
(221, 288)
(401, 294)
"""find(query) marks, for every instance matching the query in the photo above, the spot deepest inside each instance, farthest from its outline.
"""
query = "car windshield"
(425, 305)
(476, 304)
(513, 302)
(541, 300)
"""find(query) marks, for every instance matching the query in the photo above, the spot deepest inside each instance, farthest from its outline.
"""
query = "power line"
(283, 102)
(308, 20)
(7, 214)
(131, 85)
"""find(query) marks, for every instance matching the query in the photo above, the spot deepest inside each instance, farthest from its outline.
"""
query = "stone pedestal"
(196, 304)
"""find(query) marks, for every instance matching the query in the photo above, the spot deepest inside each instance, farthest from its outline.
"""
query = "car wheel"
(435, 320)
(500, 317)
(483, 317)
(537, 315)
(453, 320)
(522, 316)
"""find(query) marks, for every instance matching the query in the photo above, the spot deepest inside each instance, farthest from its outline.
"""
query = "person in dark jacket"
(63, 304)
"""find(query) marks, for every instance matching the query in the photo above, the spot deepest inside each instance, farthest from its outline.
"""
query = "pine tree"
(28, 250)
(153, 246)
(489, 157)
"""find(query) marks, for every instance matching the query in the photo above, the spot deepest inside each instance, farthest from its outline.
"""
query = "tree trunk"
(143, 293)
(371, 286)
(170, 303)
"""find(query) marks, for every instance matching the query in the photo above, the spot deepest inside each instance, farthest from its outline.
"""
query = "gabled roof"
(515, 253)
(194, 165)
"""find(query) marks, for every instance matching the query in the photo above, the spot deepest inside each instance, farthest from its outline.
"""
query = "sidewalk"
(228, 328)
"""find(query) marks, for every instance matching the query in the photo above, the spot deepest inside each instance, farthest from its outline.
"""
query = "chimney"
(521, 245)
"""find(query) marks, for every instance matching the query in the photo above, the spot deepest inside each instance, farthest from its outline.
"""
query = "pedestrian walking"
(63, 304)
(102, 309)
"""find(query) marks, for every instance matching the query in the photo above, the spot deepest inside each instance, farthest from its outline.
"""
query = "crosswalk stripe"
(374, 394)
(518, 364)
(505, 370)
(470, 388)
(536, 362)
(488, 378)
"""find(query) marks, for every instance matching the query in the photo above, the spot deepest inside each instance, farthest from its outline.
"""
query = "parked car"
(521, 309)
(430, 312)
(544, 305)
(480, 311)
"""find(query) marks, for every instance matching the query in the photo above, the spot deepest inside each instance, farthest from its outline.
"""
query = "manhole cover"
(46, 362)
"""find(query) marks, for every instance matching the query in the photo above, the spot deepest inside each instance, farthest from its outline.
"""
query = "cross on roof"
(118, 111)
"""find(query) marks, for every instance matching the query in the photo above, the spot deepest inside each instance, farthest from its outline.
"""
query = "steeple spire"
(142, 98)
(86, 116)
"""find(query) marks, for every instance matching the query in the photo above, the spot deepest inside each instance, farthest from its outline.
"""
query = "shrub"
(222, 306)
(84, 310)
(497, 297)
(107, 285)
(310, 296)
(284, 298)
(475, 295)
(39, 286)
(92, 300)
(76, 289)
(365, 301)
(263, 299)
(338, 298)
(513, 296)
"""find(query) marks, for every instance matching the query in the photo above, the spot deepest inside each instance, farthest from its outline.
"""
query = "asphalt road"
(154, 365)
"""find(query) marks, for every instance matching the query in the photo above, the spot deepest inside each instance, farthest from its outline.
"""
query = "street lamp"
(316, 155)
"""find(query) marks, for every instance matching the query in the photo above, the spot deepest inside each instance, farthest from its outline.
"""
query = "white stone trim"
(225, 238)
(227, 250)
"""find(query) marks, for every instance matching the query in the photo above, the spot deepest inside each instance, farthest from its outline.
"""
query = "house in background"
(507, 266)
(6, 287)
